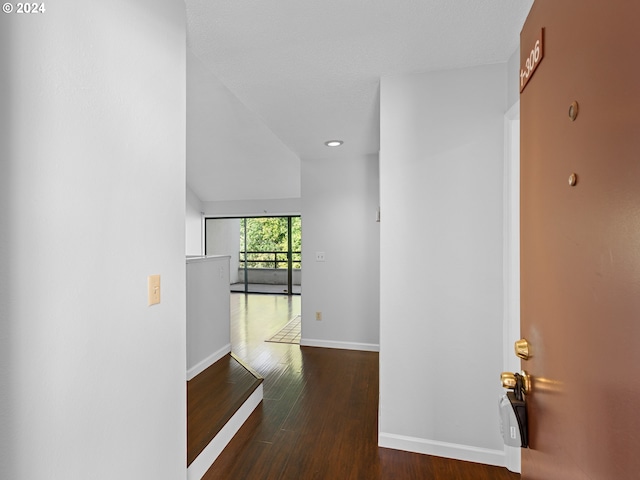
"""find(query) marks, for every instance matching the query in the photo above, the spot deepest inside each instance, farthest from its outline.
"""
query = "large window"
(265, 252)
(269, 242)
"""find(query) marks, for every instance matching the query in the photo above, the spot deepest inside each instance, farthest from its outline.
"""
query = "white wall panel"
(92, 132)
(339, 207)
(441, 184)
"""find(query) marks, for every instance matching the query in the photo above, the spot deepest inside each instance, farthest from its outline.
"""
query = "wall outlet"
(319, 316)
(319, 256)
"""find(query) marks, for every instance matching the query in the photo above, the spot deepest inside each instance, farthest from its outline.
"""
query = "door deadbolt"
(522, 349)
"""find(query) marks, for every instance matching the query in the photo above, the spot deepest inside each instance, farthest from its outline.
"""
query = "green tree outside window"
(267, 242)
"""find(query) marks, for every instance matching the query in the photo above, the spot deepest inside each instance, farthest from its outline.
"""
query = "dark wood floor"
(318, 419)
(209, 407)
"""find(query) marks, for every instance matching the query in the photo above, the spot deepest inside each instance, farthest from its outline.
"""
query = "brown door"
(580, 245)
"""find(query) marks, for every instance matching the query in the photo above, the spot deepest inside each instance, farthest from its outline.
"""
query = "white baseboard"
(442, 449)
(203, 462)
(367, 347)
(512, 458)
(207, 362)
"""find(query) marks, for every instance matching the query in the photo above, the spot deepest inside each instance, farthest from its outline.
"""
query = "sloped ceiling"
(231, 153)
(308, 71)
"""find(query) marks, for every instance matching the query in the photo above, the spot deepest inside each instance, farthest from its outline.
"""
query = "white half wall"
(92, 182)
(339, 208)
(208, 312)
(441, 306)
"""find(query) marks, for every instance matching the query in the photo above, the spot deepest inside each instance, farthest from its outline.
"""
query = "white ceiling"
(300, 72)
(231, 153)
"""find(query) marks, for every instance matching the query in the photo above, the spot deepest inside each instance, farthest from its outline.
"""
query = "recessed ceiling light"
(333, 143)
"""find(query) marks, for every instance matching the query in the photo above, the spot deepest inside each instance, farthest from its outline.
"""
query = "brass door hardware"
(522, 349)
(518, 382)
(508, 380)
(526, 382)
(573, 111)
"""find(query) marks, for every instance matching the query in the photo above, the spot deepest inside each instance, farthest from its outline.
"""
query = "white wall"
(513, 78)
(251, 208)
(92, 180)
(441, 319)
(511, 243)
(223, 238)
(208, 312)
(231, 153)
(339, 205)
(193, 224)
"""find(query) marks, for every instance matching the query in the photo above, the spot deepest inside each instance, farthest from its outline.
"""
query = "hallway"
(318, 419)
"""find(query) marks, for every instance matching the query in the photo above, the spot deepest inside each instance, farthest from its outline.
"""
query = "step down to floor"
(219, 401)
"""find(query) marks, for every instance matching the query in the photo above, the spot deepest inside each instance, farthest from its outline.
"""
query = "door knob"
(516, 381)
(522, 349)
(508, 380)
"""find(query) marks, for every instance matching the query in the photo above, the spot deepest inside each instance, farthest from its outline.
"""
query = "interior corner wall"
(92, 181)
(441, 186)
(194, 229)
(340, 199)
(223, 238)
(513, 79)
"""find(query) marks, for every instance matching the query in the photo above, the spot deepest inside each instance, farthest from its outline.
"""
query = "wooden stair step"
(213, 397)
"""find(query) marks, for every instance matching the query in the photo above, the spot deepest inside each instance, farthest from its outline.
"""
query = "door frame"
(511, 256)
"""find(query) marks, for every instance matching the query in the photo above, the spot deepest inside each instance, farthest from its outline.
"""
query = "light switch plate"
(153, 287)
